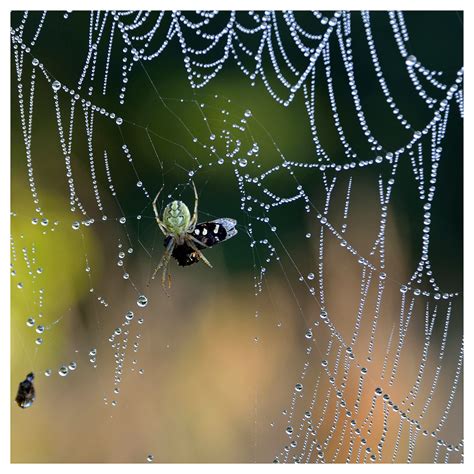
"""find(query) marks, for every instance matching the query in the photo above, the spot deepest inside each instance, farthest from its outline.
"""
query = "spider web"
(341, 334)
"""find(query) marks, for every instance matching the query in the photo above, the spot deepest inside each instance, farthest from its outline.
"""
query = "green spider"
(185, 238)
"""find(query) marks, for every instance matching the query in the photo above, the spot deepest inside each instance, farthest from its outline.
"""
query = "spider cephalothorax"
(184, 238)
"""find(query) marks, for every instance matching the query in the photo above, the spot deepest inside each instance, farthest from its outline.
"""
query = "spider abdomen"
(176, 217)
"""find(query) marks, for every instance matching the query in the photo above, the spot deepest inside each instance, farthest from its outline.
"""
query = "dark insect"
(208, 234)
(26, 392)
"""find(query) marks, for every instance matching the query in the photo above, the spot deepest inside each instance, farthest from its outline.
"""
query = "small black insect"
(26, 392)
(208, 234)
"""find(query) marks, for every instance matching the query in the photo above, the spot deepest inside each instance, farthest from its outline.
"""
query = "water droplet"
(40, 329)
(30, 322)
(44, 222)
(308, 235)
(142, 301)
(56, 85)
(309, 334)
(298, 387)
(48, 372)
(63, 371)
(119, 120)
(410, 60)
(150, 458)
(20, 285)
(311, 276)
(122, 220)
(76, 225)
(39, 341)
(289, 430)
(35, 62)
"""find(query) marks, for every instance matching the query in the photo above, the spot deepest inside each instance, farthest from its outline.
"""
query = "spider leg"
(193, 222)
(164, 262)
(197, 241)
(204, 259)
(161, 225)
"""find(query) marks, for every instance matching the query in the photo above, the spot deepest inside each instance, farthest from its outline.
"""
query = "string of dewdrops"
(361, 447)
(266, 26)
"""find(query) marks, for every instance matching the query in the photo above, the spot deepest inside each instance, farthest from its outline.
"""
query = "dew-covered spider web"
(329, 330)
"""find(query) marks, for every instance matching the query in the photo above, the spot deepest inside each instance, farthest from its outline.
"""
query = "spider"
(185, 238)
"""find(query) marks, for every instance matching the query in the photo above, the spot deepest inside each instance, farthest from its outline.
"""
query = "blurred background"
(207, 373)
